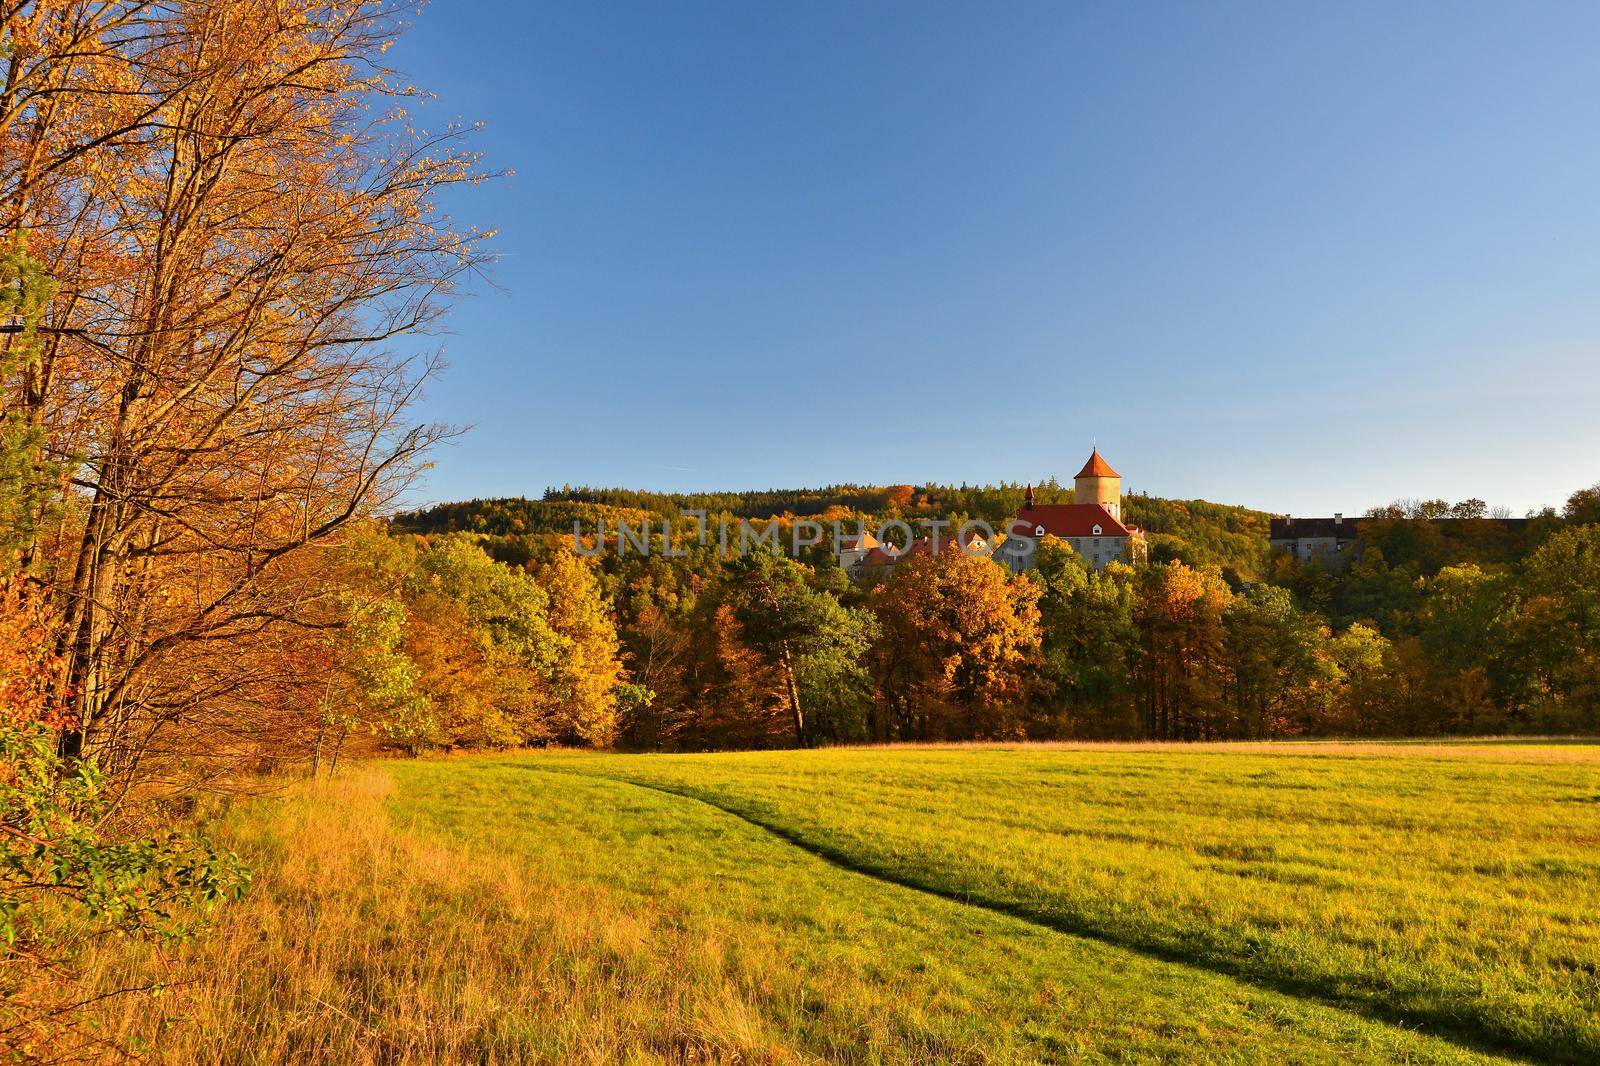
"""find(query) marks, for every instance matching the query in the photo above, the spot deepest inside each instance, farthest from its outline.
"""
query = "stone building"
(1309, 538)
(1328, 539)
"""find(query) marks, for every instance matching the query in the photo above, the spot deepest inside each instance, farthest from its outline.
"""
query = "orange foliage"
(30, 671)
(958, 634)
(236, 219)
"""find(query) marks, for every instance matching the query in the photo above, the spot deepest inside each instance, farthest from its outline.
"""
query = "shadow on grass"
(1464, 1027)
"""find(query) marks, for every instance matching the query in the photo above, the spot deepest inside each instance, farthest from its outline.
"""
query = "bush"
(66, 876)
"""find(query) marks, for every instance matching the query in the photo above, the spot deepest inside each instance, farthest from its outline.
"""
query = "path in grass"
(1456, 889)
(836, 965)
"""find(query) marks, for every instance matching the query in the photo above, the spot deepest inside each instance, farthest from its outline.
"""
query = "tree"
(1462, 626)
(732, 695)
(588, 670)
(489, 657)
(388, 691)
(1088, 642)
(1179, 670)
(25, 480)
(957, 636)
(1359, 655)
(1557, 629)
(832, 675)
(233, 238)
(1583, 506)
(1372, 590)
(1279, 675)
(799, 631)
(213, 221)
(659, 643)
(67, 880)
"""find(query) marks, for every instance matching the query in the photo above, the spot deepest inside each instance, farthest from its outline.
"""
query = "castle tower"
(1098, 483)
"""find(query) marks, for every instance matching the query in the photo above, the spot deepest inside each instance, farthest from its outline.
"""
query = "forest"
(1428, 624)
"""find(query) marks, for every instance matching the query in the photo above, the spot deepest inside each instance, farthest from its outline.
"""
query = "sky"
(1307, 258)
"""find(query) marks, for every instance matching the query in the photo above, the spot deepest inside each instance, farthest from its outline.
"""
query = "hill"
(1196, 531)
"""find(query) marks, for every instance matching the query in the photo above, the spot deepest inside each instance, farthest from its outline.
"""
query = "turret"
(1098, 483)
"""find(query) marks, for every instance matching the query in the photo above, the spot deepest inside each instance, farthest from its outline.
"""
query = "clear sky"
(1308, 258)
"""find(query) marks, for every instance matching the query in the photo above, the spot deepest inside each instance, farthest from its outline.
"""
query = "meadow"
(985, 904)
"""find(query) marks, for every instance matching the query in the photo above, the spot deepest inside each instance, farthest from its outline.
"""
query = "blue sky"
(1306, 258)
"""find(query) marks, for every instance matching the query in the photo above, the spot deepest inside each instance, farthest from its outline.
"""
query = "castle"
(1092, 526)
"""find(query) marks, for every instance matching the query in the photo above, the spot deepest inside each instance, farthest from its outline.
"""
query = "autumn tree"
(1360, 655)
(1279, 678)
(1179, 669)
(957, 638)
(1462, 626)
(236, 221)
(729, 693)
(1583, 507)
(489, 656)
(588, 682)
(1557, 630)
(70, 874)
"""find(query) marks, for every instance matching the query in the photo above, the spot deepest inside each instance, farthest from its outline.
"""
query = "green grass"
(1310, 903)
(1451, 888)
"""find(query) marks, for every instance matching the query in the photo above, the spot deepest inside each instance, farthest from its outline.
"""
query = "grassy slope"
(1455, 888)
(534, 909)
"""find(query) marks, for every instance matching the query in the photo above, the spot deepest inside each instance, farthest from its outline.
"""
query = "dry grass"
(363, 941)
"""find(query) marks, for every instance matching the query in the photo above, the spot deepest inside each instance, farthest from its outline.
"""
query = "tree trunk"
(794, 696)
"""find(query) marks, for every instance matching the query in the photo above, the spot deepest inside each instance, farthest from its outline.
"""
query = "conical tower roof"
(1097, 467)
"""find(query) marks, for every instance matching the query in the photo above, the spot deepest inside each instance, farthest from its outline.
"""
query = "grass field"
(1245, 903)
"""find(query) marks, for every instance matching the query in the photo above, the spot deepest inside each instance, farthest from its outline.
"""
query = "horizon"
(1064, 483)
(1304, 262)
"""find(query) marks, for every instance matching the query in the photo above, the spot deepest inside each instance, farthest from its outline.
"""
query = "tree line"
(1198, 532)
(1422, 628)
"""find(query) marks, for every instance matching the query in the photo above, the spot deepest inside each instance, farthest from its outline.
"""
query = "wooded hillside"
(1196, 531)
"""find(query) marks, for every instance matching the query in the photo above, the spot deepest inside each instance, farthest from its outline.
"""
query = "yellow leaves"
(960, 629)
(236, 213)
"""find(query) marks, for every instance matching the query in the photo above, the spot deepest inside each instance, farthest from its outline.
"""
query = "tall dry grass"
(364, 941)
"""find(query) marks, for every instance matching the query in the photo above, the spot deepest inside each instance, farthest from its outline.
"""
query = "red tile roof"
(881, 555)
(947, 542)
(858, 540)
(1068, 520)
(1097, 467)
